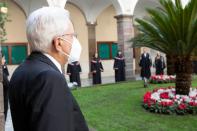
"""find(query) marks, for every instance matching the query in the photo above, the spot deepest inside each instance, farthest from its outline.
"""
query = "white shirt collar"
(57, 64)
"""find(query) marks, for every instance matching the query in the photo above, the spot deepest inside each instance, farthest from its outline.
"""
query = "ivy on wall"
(3, 20)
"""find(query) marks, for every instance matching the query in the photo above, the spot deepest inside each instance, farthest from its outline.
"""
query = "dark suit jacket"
(40, 99)
(5, 89)
(145, 64)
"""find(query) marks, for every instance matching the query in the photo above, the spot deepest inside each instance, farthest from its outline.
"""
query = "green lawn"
(117, 107)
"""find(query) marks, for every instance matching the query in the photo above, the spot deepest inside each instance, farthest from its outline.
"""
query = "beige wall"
(16, 27)
(79, 23)
(16, 31)
(106, 30)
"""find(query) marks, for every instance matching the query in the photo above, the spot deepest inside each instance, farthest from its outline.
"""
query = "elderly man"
(40, 99)
(145, 64)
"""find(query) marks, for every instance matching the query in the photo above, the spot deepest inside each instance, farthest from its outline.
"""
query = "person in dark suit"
(159, 64)
(5, 84)
(73, 70)
(4, 65)
(96, 69)
(40, 99)
(145, 64)
(119, 67)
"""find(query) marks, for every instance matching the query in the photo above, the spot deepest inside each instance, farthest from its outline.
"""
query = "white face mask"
(75, 50)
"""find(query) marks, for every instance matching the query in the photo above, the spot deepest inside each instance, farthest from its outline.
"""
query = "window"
(15, 53)
(107, 50)
(5, 52)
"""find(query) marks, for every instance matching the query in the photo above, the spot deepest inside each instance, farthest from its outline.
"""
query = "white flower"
(187, 99)
(173, 89)
(193, 93)
(160, 91)
(4, 10)
(171, 95)
(155, 96)
(166, 100)
(178, 96)
(179, 102)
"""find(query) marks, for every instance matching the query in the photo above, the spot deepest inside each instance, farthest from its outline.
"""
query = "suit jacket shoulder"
(40, 99)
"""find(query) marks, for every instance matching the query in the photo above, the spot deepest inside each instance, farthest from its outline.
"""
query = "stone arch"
(125, 7)
(117, 6)
(78, 7)
(140, 7)
(18, 3)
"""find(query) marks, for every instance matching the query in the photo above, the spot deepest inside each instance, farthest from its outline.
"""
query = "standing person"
(5, 85)
(119, 67)
(159, 64)
(40, 99)
(73, 70)
(4, 65)
(96, 69)
(145, 64)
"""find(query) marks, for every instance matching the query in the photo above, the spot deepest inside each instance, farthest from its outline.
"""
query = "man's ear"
(57, 44)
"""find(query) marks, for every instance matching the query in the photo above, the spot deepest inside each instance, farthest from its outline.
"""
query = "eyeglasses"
(72, 34)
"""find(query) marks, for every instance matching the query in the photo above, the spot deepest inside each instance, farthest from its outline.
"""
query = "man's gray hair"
(44, 24)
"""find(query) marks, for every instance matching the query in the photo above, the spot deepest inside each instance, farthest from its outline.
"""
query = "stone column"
(137, 54)
(137, 60)
(125, 33)
(92, 46)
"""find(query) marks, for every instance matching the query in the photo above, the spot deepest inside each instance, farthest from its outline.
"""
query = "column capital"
(122, 16)
(91, 23)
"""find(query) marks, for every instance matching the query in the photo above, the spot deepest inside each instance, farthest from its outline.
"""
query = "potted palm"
(172, 29)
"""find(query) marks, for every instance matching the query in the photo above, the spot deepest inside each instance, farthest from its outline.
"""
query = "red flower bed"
(164, 95)
(155, 79)
(164, 100)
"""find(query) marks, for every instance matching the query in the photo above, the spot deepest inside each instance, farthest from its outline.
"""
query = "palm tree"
(172, 29)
